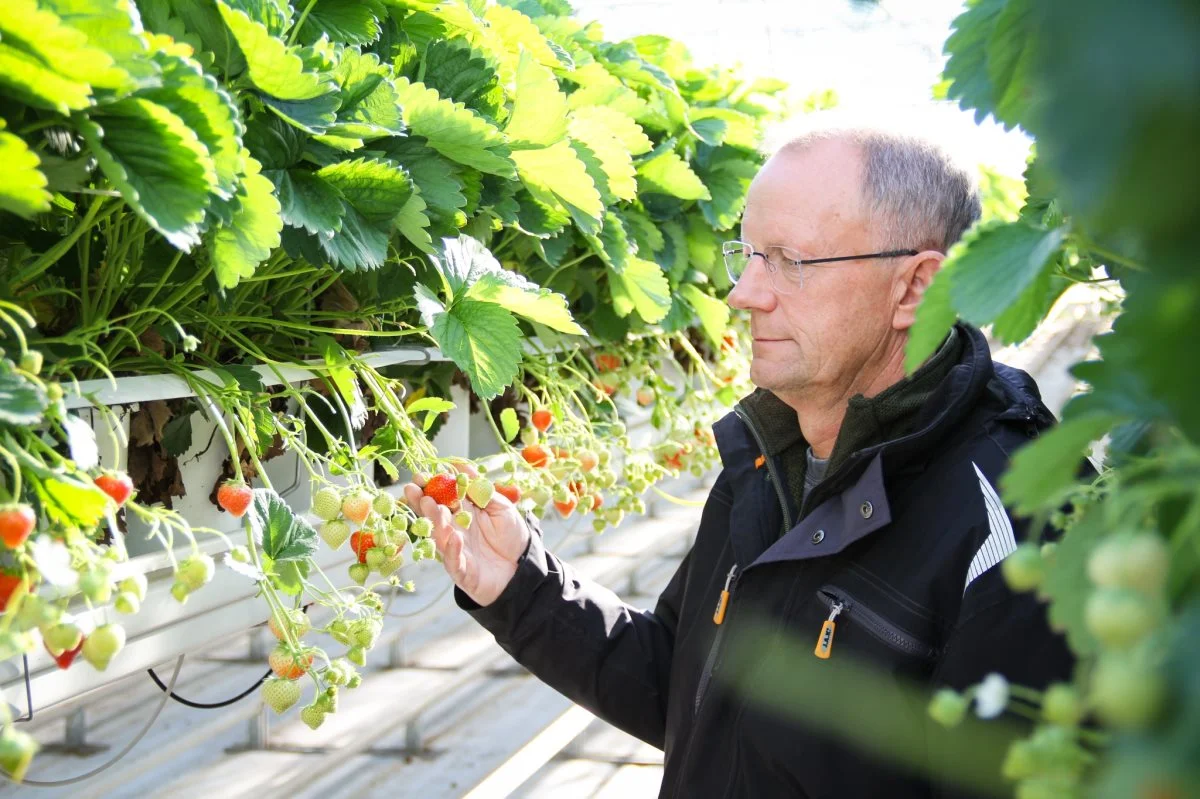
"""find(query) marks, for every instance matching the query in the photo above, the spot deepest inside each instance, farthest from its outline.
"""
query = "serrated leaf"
(207, 109)
(350, 22)
(453, 130)
(311, 116)
(238, 248)
(177, 435)
(556, 173)
(967, 48)
(358, 244)
(509, 425)
(413, 224)
(539, 219)
(1010, 61)
(307, 201)
(1020, 319)
(600, 89)
(72, 503)
(712, 313)
(640, 286)
(539, 115)
(282, 534)
(461, 261)
(1067, 583)
(484, 340)
(113, 25)
(81, 441)
(517, 32)
(377, 189)
(59, 46)
(612, 155)
(620, 125)
(436, 177)
(995, 263)
(273, 66)
(704, 248)
(344, 379)
(21, 402)
(459, 73)
(275, 143)
(739, 129)
(647, 237)
(727, 181)
(526, 299)
(669, 174)
(155, 160)
(934, 318)
(1043, 471)
(370, 107)
(32, 82)
(22, 183)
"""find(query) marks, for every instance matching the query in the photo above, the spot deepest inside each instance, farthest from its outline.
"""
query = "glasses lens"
(785, 269)
(737, 256)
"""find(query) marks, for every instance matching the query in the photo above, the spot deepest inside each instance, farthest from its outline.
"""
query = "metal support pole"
(258, 730)
(75, 737)
(412, 735)
(259, 647)
(396, 656)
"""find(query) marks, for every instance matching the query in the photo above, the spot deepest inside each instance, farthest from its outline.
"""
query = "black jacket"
(904, 538)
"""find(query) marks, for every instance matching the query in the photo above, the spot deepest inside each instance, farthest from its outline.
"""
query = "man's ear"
(912, 281)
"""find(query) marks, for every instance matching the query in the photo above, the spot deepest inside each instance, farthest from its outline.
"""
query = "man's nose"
(753, 291)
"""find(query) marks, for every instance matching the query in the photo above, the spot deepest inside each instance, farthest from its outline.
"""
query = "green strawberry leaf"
(377, 188)
(280, 533)
(1044, 471)
(539, 115)
(274, 67)
(526, 299)
(115, 26)
(343, 377)
(712, 313)
(640, 286)
(436, 177)
(22, 183)
(556, 173)
(311, 116)
(727, 180)
(21, 402)
(28, 79)
(509, 424)
(460, 73)
(620, 125)
(995, 263)
(161, 169)
(238, 248)
(358, 244)
(350, 22)
(370, 107)
(484, 340)
(667, 173)
(610, 152)
(307, 201)
(275, 143)
(413, 224)
(60, 46)
(453, 130)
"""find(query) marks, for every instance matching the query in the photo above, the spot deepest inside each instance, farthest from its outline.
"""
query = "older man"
(856, 510)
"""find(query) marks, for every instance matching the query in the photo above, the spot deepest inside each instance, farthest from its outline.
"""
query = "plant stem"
(51, 256)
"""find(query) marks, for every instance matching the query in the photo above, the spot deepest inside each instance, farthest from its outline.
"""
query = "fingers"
(412, 495)
(465, 468)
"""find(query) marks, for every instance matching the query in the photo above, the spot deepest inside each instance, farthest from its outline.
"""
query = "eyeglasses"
(783, 263)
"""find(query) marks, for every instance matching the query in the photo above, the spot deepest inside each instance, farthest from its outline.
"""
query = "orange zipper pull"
(825, 639)
(723, 602)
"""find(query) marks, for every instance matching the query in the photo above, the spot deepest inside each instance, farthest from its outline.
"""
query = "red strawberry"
(509, 490)
(16, 523)
(541, 419)
(66, 658)
(588, 460)
(576, 487)
(727, 342)
(360, 542)
(607, 362)
(535, 456)
(8, 585)
(597, 501)
(287, 665)
(443, 489)
(645, 396)
(117, 485)
(559, 452)
(235, 497)
(565, 508)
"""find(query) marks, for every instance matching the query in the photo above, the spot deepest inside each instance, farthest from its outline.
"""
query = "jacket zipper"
(839, 602)
(758, 439)
(719, 620)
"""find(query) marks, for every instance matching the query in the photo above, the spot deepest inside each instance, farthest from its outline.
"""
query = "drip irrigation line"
(208, 705)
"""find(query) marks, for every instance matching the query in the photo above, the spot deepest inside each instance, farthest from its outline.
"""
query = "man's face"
(822, 333)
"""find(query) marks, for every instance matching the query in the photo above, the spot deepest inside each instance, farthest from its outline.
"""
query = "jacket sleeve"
(997, 631)
(582, 640)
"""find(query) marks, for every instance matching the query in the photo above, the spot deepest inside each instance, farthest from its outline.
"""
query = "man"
(856, 510)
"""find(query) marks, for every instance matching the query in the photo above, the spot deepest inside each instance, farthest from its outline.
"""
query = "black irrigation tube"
(208, 705)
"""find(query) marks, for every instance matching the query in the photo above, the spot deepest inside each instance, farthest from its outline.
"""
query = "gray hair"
(915, 193)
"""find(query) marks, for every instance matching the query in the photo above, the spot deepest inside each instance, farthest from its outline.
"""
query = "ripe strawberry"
(480, 491)
(510, 491)
(8, 585)
(334, 533)
(65, 658)
(597, 501)
(313, 716)
(16, 523)
(535, 456)
(287, 664)
(280, 694)
(588, 460)
(297, 621)
(357, 507)
(360, 542)
(235, 497)
(327, 504)
(117, 485)
(565, 508)
(443, 489)
(645, 397)
(609, 387)
(541, 419)
(607, 362)
(104, 642)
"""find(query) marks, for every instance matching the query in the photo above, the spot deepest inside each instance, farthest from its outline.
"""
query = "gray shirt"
(814, 472)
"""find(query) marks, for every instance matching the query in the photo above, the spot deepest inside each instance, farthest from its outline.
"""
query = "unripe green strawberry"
(598, 524)
(365, 632)
(16, 752)
(948, 707)
(423, 549)
(179, 591)
(334, 533)
(134, 584)
(529, 436)
(359, 572)
(103, 644)
(297, 623)
(540, 495)
(1139, 561)
(605, 456)
(1120, 617)
(280, 694)
(1023, 570)
(95, 583)
(336, 673)
(1020, 761)
(196, 571)
(1062, 705)
(127, 603)
(391, 565)
(313, 716)
(638, 506)
(327, 504)
(339, 631)
(480, 491)
(400, 523)
(383, 504)
(614, 516)
(357, 507)
(354, 680)
(31, 361)
(61, 637)
(327, 700)
(422, 527)
(371, 601)
(463, 519)
(375, 558)
(357, 655)
(390, 550)
(1125, 693)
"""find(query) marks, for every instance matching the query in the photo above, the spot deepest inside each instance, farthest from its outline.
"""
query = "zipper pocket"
(839, 602)
(719, 620)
